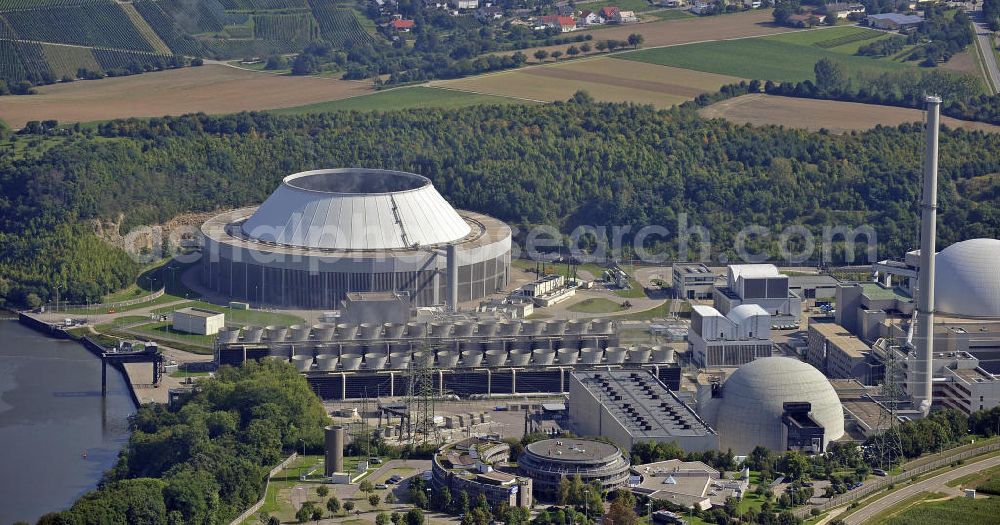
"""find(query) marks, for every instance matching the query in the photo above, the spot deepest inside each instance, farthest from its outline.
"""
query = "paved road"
(984, 39)
(936, 483)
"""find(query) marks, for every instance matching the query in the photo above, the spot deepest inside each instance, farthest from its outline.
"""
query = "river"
(57, 434)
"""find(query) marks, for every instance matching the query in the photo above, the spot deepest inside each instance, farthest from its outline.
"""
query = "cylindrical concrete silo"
(591, 355)
(252, 334)
(399, 360)
(228, 334)
(416, 330)
(276, 334)
(663, 354)
(299, 332)
(327, 362)
(324, 331)
(302, 362)
(615, 355)
(519, 357)
(509, 328)
(447, 359)
(394, 330)
(568, 356)
(555, 327)
(471, 358)
(487, 328)
(334, 438)
(601, 326)
(544, 357)
(369, 331)
(350, 361)
(347, 331)
(496, 357)
(639, 355)
(577, 326)
(375, 360)
(464, 329)
(531, 327)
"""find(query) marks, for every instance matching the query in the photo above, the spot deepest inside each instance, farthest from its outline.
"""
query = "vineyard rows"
(340, 25)
(164, 27)
(34, 61)
(264, 5)
(289, 31)
(11, 69)
(66, 61)
(7, 5)
(112, 59)
(94, 25)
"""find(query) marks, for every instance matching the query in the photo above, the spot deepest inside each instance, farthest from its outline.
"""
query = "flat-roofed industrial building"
(632, 406)
(198, 321)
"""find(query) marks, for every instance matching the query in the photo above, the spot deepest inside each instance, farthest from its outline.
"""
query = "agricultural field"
(402, 98)
(813, 114)
(339, 25)
(66, 60)
(605, 78)
(624, 5)
(781, 58)
(210, 88)
(757, 22)
(954, 510)
(103, 25)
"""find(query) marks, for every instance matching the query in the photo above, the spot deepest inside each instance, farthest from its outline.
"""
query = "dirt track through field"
(631, 83)
(811, 114)
(210, 88)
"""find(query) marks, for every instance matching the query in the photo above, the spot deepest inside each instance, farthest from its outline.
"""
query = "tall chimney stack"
(922, 393)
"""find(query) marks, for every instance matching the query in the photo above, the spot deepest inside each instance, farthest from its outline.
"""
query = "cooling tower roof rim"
(408, 182)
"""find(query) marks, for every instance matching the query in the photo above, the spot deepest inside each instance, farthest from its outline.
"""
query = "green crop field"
(624, 5)
(956, 510)
(789, 57)
(339, 25)
(401, 98)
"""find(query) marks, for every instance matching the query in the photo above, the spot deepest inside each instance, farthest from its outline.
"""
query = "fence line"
(882, 483)
(103, 306)
(267, 483)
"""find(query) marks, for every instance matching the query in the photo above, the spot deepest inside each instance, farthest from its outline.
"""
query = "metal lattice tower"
(887, 447)
(420, 402)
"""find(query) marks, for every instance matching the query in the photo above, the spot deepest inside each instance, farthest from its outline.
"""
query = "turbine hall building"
(324, 234)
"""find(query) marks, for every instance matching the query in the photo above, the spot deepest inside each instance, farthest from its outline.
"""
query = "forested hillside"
(565, 164)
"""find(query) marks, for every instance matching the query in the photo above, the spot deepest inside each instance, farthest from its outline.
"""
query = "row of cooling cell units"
(330, 332)
(448, 359)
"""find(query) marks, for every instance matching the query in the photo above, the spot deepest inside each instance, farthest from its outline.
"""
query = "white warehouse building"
(716, 340)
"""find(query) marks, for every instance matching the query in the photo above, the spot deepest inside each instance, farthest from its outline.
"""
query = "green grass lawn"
(624, 5)
(181, 374)
(789, 57)
(654, 313)
(164, 329)
(672, 14)
(596, 270)
(239, 317)
(597, 305)
(956, 510)
(401, 98)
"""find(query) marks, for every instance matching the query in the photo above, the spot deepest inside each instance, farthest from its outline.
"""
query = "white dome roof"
(967, 276)
(355, 209)
(753, 397)
(745, 311)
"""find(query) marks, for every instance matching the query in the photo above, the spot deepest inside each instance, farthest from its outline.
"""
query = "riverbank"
(59, 434)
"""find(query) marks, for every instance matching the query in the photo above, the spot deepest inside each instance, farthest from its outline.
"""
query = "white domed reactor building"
(968, 279)
(776, 402)
(326, 233)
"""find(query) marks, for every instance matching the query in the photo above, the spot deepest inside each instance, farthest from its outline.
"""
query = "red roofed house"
(402, 25)
(609, 13)
(565, 23)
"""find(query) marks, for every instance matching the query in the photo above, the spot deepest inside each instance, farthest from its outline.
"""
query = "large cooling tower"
(616, 354)
(416, 330)
(544, 356)
(663, 354)
(447, 359)
(323, 331)
(496, 357)
(228, 334)
(369, 331)
(638, 356)
(577, 326)
(533, 327)
(519, 357)
(394, 330)
(591, 355)
(464, 329)
(487, 328)
(399, 360)
(601, 326)
(302, 362)
(350, 361)
(375, 360)
(347, 331)
(299, 332)
(509, 328)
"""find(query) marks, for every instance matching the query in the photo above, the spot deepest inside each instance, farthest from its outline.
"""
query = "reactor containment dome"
(968, 279)
(754, 405)
(325, 233)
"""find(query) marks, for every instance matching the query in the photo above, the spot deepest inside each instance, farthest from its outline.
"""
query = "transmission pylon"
(420, 400)
(887, 447)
